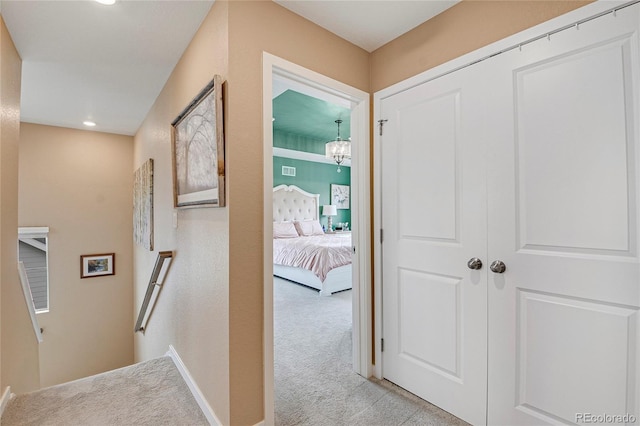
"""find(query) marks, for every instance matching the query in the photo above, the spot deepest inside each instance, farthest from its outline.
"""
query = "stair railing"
(158, 275)
(28, 298)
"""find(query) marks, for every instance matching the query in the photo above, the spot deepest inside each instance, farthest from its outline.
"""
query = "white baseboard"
(6, 396)
(193, 387)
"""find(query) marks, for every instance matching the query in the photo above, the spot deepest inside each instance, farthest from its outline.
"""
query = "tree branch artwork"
(143, 205)
(198, 150)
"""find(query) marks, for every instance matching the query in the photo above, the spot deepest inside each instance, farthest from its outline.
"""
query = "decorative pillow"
(284, 230)
(308, 227)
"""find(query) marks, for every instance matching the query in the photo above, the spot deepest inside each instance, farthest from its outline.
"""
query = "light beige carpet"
(149, 393)
(314, 381)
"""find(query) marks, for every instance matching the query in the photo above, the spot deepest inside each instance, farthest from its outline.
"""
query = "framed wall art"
(198, 150)
(97, 265)
(143, 205)
(340, 196)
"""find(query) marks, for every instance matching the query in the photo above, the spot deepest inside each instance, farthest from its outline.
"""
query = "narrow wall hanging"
(143, 205)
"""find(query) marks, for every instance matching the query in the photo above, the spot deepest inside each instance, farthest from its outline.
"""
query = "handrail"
(26, 290)
(155, 281)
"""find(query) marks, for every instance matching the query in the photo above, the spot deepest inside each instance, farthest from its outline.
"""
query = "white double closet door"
(530, 158)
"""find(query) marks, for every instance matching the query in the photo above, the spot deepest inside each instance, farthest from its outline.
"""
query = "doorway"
(322, 87)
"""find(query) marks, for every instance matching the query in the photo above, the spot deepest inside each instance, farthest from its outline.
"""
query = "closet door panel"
(429, 134)
(564, 317)
(434, 221)
(554, 352)
(572, 166)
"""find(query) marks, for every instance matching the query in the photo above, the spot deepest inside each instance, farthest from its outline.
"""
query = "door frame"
(567, 21)
(360, 209)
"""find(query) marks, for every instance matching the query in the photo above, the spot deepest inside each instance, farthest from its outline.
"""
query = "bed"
(302, 252)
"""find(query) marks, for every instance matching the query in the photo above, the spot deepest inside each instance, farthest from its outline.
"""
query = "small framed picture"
(97, 265)
(340, 196)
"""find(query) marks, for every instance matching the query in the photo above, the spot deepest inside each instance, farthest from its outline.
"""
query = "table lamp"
(329, 210)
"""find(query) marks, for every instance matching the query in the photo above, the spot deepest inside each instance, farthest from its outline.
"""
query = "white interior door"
(563, 217)
(434, 221)
(530, 158)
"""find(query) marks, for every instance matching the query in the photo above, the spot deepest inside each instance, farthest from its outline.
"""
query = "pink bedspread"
(319, 253)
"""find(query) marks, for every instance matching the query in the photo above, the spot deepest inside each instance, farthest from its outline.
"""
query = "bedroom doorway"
(294, 84)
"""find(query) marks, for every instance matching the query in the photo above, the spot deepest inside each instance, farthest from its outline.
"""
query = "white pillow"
(309, 227)
(284, 230)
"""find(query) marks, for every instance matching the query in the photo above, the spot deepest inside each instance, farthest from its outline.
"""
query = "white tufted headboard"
(292, 203)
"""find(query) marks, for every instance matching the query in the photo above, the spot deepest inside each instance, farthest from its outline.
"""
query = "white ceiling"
(86, 61)
(368, 23)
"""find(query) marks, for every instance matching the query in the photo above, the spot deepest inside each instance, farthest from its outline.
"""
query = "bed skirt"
(337, 279)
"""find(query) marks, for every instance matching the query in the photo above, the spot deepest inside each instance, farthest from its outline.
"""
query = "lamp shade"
(338, 150)
(329, 210)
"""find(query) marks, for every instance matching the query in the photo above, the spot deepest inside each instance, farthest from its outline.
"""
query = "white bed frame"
(293, 203)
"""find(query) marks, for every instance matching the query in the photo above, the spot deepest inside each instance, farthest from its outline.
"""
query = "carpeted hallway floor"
(314, 383)
(149, 393)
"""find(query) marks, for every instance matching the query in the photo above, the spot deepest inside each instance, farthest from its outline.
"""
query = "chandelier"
(338, 150)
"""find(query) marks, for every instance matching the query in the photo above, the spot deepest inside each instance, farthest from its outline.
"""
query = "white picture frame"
(340, 196)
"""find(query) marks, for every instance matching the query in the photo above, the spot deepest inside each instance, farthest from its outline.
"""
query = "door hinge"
(381, 236)
(354, 249)
(381, 345)
(381, 124)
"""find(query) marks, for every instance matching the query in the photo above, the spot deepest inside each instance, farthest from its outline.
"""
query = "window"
(33, 252)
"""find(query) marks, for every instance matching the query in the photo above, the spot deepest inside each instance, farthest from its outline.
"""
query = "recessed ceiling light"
(106, 2)
(89, 123)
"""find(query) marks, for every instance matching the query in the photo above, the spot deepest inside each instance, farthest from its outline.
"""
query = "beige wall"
(79, 184)
(192, 311)
(469, 25)
(18, 345)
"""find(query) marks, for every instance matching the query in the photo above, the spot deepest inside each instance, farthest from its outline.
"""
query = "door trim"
(566, 21)
(361, 189)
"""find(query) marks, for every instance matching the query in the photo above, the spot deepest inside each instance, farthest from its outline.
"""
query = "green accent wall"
(315, 178)
(298, 142)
